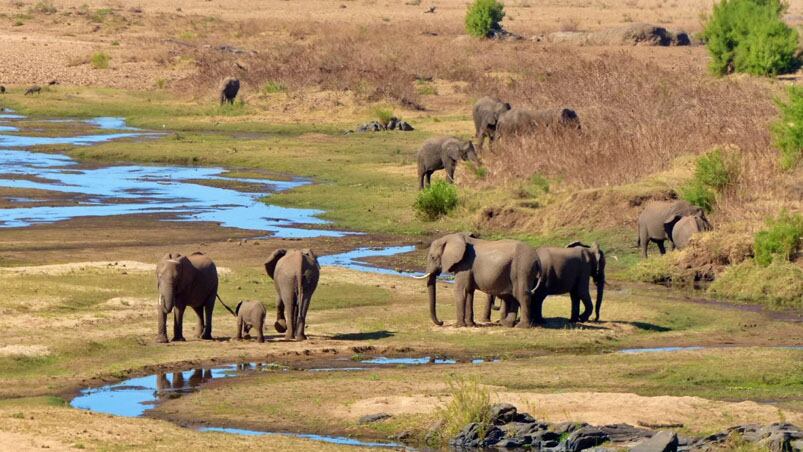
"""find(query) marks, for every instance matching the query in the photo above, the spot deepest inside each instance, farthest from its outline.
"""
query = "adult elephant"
(686, 227)
(658, 219)
(520, 121)
(186, 281)
(567, 270)
(486, 113)
(505, 268)
(295, 276)
(443, 153)
(229, 88)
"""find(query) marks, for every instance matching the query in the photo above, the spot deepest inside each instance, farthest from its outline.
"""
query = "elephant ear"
(237, 309)
(311, 255)
(703, 224)
(273, 259)
(184, 273)
(577, 244)
(669, 223)
(454, 249)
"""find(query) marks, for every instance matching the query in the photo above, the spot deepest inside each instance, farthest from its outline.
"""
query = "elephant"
(443, 153)
(295, 275)
(520, 120)
(505, 268)
(186, 281)
(567, 270)
(658, 219)
(250, 314)
(229, 88)
(35, 89)
(686, 227)
(486, 114)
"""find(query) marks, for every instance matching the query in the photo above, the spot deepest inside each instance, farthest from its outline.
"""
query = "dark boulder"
(373, 126)
(584, 438)
(663, 441)
(503, 413)
(624, 433)
(376, 417)
(568, 427)
(475, 436)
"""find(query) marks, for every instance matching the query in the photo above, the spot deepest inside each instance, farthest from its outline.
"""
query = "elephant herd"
(192, 281)
(494, 120)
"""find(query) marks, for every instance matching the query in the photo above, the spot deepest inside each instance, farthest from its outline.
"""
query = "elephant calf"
(686, 227)
(229, 88)
(250, 314)
(486, 113)
(443, 153)
(521, 121)
(295, 275)
(658, 219)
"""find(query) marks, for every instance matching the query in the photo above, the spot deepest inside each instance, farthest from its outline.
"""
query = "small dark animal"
(2, 89)
(53, 82)
(35, 89)
(430, 10)
(228, 90)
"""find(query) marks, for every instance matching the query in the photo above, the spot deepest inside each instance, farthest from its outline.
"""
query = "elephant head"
(172, 277)
(444, 254)
(462, 151)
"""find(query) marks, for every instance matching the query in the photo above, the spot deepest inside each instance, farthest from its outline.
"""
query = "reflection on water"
(140, 189)
(341, 440)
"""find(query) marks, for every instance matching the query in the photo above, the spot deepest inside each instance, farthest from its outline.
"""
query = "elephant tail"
(225, 306)
(299, 309)
(599, 278)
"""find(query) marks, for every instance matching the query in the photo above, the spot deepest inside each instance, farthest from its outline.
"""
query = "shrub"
(778, 284)
(483, 17)
(383, 115)
(469, 402)
(100, 60)
(273, 87)
(436, 200)
(45, 7)
(714, 171)
(788, 130)
(780, 240)
(750, 36)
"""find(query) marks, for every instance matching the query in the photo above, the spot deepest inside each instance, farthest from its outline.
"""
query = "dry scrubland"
(311, 69)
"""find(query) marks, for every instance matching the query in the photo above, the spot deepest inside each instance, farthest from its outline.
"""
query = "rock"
(510, 443)
(567, 427)
(376, 417)
(398, 124)
(502, 34)
(777, 442)
(584, 438)
(502, 413)
(373, 126)
(624, 433)
(469, 437)
(663, 441)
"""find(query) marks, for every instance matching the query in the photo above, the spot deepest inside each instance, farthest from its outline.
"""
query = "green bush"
(713, 172)
(469, 402)
(750, 36)
(483, 17)
(780, 284)
(383, 115)
(100, 60)
(788, 130)
(780, 240)
(436, 200)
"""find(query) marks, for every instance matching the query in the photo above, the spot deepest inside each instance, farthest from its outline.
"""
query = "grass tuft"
(437, 200)
(100, 60)
(469, 402)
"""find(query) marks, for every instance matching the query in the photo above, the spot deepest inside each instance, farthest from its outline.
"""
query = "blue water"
(658, 349)
(139, 189)
(350, 259)
(381, 360)
(341, 440)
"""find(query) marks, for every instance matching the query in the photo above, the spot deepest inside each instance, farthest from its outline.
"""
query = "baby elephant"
(686, 227)
(229, 88)
(250, 314)
(295, 275)
(35, 89)
(443, 153)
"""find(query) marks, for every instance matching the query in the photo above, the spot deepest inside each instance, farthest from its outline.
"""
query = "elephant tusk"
(422, 276)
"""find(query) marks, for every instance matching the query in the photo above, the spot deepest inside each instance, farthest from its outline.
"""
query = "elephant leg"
(421, 177)
(588, 306)
(527, 311)
(429, 178)
(178, 320)
(575, 307)
(470, 308)
(290, 306)
(260, 331)
(208, 308)
(644, 241)
(239, 335)
(510, 311)
(199, 311)
(161, 335)
(486, 312)
(504, 309)
(460, 304)
(281, 321)
(661, 246)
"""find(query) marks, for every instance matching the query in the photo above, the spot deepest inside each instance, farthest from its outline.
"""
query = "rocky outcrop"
(632, 34)
(393, 124)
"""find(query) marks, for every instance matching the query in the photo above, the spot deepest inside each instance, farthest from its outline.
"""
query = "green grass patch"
(382, 114)
(787, 132)
(100, 60)
(714, 171)
(273, 87)
(437, 200)
(779, 284)
(780, 240)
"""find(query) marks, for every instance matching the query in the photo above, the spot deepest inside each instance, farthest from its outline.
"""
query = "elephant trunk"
(432, 305)
(167, 300)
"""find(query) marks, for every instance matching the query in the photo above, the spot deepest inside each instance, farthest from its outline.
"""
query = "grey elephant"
(567, 270)
(658, 219)
(186, 281)
(295, 275)
(35, 89)
(486, 113)
(520, 121)
(229, 88)
(686, 227)
(250, 314)
(505, 268)
(443, 153)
